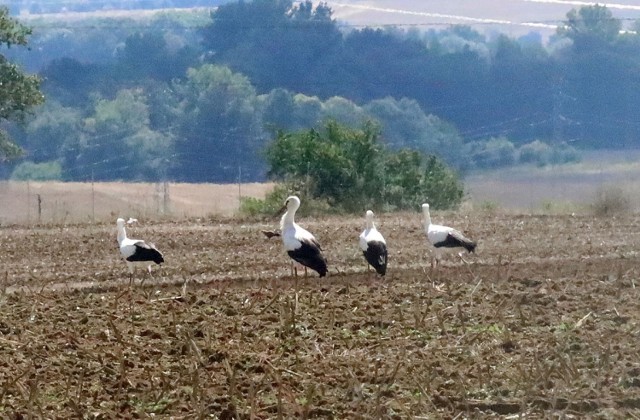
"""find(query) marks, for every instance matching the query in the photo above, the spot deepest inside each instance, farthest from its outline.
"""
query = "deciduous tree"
(20, 91)
(352, 170)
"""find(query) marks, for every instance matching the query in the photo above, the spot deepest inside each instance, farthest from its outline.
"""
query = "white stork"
(299, 243)
(136, 251)
(373, 245)
(442, 237)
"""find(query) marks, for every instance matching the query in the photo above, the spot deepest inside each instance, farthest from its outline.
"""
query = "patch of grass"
(489, 207)
(611, 201)
(558, 207)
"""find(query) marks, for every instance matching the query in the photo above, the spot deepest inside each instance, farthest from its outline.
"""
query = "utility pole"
(93, 200)
(239, 183)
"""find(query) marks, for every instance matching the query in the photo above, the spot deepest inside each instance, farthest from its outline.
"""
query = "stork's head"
(369, 216)
(291, 204)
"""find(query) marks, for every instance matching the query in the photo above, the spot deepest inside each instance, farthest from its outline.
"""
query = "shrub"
(29, 171)
(496, 152)
(269, 206)
(563, 153)
(536, 152)
(250, 206)
(489, 207)
(610, 201)
(543, 154)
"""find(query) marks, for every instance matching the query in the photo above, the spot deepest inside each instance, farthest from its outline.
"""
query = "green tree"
(324, 162)
(536, 152)
(495, 152)
(278, 109)
(344, 111)
(219, 131)
(118, 143)
(307, 110)
(590, 26)
(275, 42)
(50, 128)
(600, 80)
(352, 170)
(20, 92)
(147, 54)
(413, 178)
(45, 171)
(406, 126)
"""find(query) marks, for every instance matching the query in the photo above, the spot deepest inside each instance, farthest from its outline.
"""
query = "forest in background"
(196, 96)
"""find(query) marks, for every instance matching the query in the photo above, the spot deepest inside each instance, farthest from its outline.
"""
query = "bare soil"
(542, 321)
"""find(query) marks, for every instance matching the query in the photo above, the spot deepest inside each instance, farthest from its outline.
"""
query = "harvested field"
(542, 321)
(82, 202)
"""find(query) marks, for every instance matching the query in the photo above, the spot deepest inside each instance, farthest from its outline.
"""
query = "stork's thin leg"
(130, 267)
(144, 278)
(305, 271)
(438, 256)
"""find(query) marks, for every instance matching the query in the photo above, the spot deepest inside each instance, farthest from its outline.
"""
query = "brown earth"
(542, 321)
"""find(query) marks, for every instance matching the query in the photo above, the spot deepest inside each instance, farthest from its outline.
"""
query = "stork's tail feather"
(156, 255)
(469, 246)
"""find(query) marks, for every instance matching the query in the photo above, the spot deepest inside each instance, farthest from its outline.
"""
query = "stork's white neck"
(122, 234)
(427, 216)
(288, 219)
(370, 224)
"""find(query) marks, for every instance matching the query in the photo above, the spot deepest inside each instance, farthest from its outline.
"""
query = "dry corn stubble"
(543, 319)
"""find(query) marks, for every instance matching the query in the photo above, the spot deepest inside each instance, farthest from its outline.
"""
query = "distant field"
(555, 189)
(512, 17)
(560, 189)
(109, 13)
(74, 202)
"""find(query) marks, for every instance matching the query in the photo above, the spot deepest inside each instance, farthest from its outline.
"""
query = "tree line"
(196, 98)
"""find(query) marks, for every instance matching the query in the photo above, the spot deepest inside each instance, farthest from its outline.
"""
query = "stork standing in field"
(374, 246)
(136, 251)
(443, 237)
(299, 243)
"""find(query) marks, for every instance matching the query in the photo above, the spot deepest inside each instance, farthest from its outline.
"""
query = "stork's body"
(136, 251)
(444, 237)
(299, 243)
(373, 245)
